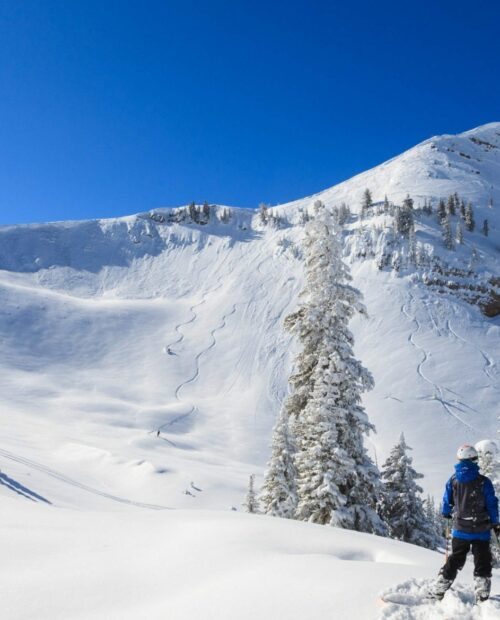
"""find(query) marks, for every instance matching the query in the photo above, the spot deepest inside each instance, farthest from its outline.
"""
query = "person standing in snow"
(469, 499)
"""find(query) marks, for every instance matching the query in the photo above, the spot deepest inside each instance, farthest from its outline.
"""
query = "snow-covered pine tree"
(459, 233)
(193, 212)
(450, 207)
(366, 204)
(489, 465)
(386, 206)
(263, 213)
(441, 212)
(486, 228)
(446, 233)
(278, 497)
(462, 209)
(337, 483)
(403, 217)
(470, 224)
(400, 505)
(434, 518)
(488, 460)
(251, 503)
(423, 257)
(412, 246)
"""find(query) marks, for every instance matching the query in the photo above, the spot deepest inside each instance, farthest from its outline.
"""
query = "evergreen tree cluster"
(455, 207)
(268, 218)
(319, 470)
(197, 214)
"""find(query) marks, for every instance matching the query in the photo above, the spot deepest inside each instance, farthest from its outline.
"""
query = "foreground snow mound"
(408, 601)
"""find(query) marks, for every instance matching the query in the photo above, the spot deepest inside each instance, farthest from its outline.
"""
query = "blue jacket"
(468, 471)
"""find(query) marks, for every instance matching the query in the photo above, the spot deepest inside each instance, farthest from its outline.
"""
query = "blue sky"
(112, 107)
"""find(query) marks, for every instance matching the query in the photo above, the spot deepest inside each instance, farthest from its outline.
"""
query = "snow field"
(183, 564)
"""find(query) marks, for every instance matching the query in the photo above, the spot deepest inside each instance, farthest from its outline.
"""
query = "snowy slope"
(112, 330)
(210, 566)
(468, 163)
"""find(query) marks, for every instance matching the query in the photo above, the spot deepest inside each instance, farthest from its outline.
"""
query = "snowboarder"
(469, 499)
(158, 433)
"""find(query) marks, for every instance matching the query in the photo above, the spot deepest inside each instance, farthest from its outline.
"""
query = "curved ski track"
(438, 389)
(489, 364)
(212, 344)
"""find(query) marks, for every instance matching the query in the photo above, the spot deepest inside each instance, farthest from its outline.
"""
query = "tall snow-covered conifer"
(251, 503)
(337, 483)
(401, 505)
(278, 497)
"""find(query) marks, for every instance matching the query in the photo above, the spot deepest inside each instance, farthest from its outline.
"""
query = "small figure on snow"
(469, 499)
(158, 433)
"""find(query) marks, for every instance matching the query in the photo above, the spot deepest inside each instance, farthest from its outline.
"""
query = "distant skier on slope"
(469, 499)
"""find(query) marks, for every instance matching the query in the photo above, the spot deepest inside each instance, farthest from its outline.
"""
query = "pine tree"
(462, 209)
(412, 246)
(278, 497)
(489, 465)
(400, 505)
(450, 207)
(422, 255)
(396, 261)
(441, 212)
(485, 228)
(446, 233)
(251, 503)
(205, 213)
(386, 204)
(434, 519)
(344, 213)
(263, 213)
(488, 460)
(366, 204)
(337, 483)
(193, 212)
(403, 218)
(459, 233)
(469, 217)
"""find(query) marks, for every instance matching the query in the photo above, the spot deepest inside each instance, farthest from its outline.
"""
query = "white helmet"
(466, 452)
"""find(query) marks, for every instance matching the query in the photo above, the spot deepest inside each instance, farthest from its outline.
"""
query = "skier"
(469, 499)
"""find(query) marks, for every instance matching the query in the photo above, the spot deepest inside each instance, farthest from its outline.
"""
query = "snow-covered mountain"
(111, 330)
(466, 163)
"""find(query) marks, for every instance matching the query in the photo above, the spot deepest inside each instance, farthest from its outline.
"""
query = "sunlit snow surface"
(112, 330)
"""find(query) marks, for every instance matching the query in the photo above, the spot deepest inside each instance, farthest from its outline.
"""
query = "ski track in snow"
(439, 390)
(84, 487)
(212, 344)
(489, 363)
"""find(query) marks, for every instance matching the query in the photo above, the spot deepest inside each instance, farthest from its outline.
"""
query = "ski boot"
(482, 587)
(439, 588)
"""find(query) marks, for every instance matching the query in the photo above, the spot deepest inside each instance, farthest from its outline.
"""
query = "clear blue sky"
(113, 107)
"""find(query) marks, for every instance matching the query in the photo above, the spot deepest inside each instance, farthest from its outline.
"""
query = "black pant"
(459, 550)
